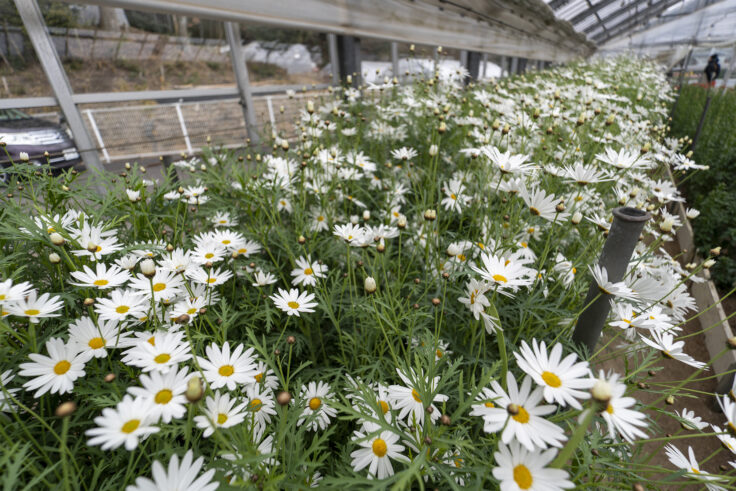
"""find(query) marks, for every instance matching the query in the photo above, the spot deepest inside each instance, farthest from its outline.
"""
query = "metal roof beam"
(591, 10)
(526, 28)
(618, 13)
(630, 22)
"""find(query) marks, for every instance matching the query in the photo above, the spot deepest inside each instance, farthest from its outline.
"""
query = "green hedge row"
(713, 192)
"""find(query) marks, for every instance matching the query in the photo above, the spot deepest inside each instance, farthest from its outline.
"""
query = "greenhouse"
(367, 244)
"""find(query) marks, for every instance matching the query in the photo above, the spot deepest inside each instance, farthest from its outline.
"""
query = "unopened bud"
(54, 258)
(57, 239)
(601, 391)
(370, 284)
(88, 302)
(401, 222)
(576, 218)
(283, 398)
(195, 389)
(66, 409)
(148, 267)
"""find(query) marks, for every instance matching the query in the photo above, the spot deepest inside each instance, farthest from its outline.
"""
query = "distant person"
(712, 70)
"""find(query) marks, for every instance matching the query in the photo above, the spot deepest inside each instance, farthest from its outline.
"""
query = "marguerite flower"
(166, 393)
(690, 421)
(518, 414)
(664, 342)
(518, 469)
(121, 305)
(57, 372)
(263, 279)
(476, 301)
(161, 353)
(564, 381)
(179, 477)
(34, 307)
(691, 466)
(163, 286)
(92, 339)
(307, 272)
(293, 302)
(503, 273)
(541, 204)
(317, 412)
(409, 400)
(11, 293)
(210, 277)
(377, 449)
(220, 412)
(129, 422)
(619, 289)
(6, 393)
(222, 368)
(617, 414)
(260, 406)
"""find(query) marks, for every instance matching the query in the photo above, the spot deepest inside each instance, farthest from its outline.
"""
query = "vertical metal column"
(514, 69)
(685, 64)
(484, 70)
(729, 70)
(334, 61)
(472, 63)
(232, 33)
(32, 19)
(348, 49)
(395, 59)
(505, 66)
(622, 238)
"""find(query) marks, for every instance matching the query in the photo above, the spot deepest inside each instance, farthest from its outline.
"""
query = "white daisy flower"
(223, 219)
(178, 477)
(34, 307)
(265, 377)
(518, 469)
(619, 289)
(246, 248)
(617, 414)
(11, 293)
(541, 204)
(691, 466)
(476, 300)
(121, 305)
(101, 242)
(189, 306)
(690, 421)
(455, 198)
(293, 302)
(728, 406)
(164, 352)
(518, 414)
(220, 412)
(6, 404)
(503, 273)
(163, 286)
(92, 339)
(222, 368)
(57, 372)
(350, 233)
(210, 277)
(664, 342)
(564, 381)
(307, 272)
(176, 261)
(129, 422)
(317, 412)
(404, 153)
(166, 393)
(408, 399)
(263, 279)
(377, 449)
(209, 251)
(260, 406)
(725, 436)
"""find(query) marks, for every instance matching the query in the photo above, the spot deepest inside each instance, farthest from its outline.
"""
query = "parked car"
(24, 133)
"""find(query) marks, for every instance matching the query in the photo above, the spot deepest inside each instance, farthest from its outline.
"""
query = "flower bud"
(601, 391)
(195, 389)
(666, 225)
(381, 247)
(92, 247)
(576, 217)
(23, 156)
(716, 251)
(433, 150)
(148, 267)
(56, 239)
(54, 258)
(453, 250)
(66, 409)
(366, 215)
(310, 106)
(708, 263)
(401, 222)
(283, 398)
(370, 285)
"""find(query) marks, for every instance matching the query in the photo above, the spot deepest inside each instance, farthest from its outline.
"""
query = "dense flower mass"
(390, 295)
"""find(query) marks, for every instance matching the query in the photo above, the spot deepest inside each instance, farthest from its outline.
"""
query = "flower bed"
(388, 301)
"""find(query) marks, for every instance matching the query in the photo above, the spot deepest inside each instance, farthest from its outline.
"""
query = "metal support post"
(334, 60)
(44, 47)
(395, 59)
(232, 33)
(622, 238)
(514, 68)
(522, 65)
(472, 63)
(484, 69)
(683, 69)
(505, 66)
(348, 50)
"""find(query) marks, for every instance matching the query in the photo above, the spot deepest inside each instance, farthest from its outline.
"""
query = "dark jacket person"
(712, 69)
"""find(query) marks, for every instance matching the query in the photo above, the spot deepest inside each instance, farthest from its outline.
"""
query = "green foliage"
(712, 191)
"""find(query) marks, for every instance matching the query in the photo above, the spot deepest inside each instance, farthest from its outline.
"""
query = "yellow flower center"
(574, 270)
(152, 340)
(379, 447)
(221, 418)
(226, 370)
(122, 309)
(242, 250)
(489, 404)
(472, 297)
(524, 245)
(162, 358)
(209, 255)
(315, 403)
(31, 312)
(293, 305)
(211, 280)
(453, 196)
(131, 425)
(159, 286)
(191, 311)
(259, 377)
(695, 471)
(98, 249)
(462, 257)
(523, 477)
(101, 282)
(415, 395)
(534, 212)
(551, 379)
(320, 218)
(458, 462)
(226, 241)
(163, 396)
(500, 278)
(384, 406)
(223, 221)
(255, 404)
(522, 417)
(62, 367)
(96, 343)
(438, 353)
(609, 409)
(308, 271)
